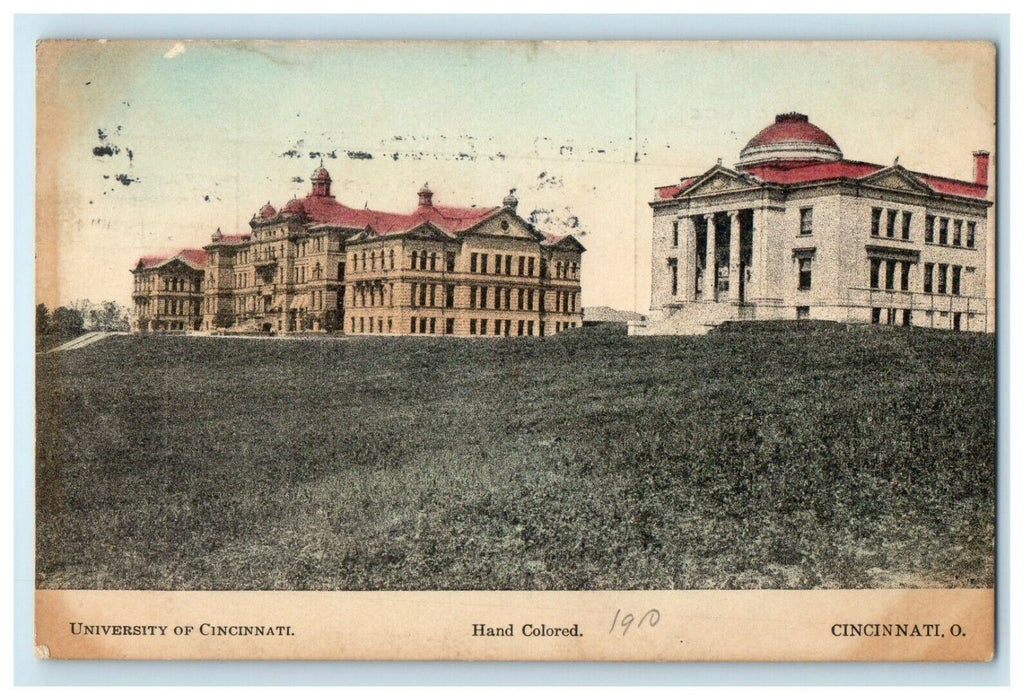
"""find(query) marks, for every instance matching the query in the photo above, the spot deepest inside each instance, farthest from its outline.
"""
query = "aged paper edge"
(950, 625)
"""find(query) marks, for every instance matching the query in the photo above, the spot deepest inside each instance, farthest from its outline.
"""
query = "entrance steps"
(697, 318)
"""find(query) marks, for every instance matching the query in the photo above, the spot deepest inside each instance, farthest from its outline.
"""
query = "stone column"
(735, 257)
(686, 256)
(759, 252)
(709, 281)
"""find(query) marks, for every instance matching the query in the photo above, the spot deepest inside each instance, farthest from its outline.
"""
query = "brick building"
(794, 230)
(317, 265)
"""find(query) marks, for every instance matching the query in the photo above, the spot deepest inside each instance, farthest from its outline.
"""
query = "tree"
(67, 323)
(42, 320)
(108, 316)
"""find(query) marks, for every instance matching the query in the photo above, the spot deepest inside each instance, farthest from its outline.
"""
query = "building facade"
(794, 230)
(317, 265)
(167, 292)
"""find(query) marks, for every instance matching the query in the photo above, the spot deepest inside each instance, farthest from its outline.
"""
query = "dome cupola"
(425, 196)
(791, 137)
(320, 182)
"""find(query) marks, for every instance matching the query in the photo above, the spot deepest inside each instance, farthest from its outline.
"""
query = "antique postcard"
(516, 350)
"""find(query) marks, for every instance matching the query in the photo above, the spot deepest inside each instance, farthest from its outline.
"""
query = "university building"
(317, 265)
(167, 292)
(794, 230)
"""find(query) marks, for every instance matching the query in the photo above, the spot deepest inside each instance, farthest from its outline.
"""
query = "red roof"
(194, 256)
(789, 128)
(673, 191)
(327, 210)
(804, 172)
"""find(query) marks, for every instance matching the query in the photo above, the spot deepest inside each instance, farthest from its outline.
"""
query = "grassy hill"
(775, 456)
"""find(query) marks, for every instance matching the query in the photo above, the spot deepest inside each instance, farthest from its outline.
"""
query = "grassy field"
(783, 456)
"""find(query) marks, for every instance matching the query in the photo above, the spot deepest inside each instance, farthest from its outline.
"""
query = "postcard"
(493, 350)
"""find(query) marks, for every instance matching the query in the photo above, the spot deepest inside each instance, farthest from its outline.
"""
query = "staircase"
(696, 318)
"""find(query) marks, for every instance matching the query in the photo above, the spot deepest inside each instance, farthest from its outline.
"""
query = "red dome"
(293, 208)
(790, 137)
(791, 127)
(268, 211)
(320, 174)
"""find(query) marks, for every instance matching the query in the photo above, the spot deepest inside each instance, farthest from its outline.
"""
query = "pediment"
(717, 181)
(177, 266)
(506, 224)
(427, 231)
(897, 178)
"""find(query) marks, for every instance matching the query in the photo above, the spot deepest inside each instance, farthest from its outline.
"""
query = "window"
(943, 231)
(904, 284)
(483, 263)
(497, 297)
(472, 262)
(875, 315)
(889, 274)
(801, 312)
(928, 278)
(957, 321)
(483, 297)
(956, 274)
(415, 261)
(433, 261)
(522, 265)
(674, 277)
(497, 264)
(449, 296)
(422, 260)
(483, 326)
(497, 326)
(472, 297)
(449, 326)
(890, 225)
(805, 273)
(907, 317)
(943, 274)
(875, 273)
(805, 226)
(875, 222)
(529, 328)
(530, 266)
(508, 264)
(957, 232)
(971, 234)
(676, 234)
(929, 229)
(472, 326)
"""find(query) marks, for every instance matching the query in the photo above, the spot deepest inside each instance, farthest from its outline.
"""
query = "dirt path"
(83, 340)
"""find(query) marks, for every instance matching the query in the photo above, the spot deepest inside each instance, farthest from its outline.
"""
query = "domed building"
(317, 265)
(796, 231)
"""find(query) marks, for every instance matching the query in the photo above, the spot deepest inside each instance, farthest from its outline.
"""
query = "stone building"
(317, 265)
(794, 230)
(167, 294)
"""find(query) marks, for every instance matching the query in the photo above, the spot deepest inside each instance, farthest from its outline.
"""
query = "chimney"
(426, 196)
(981, 167)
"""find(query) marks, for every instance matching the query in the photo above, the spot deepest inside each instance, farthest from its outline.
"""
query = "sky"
(148, 147)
